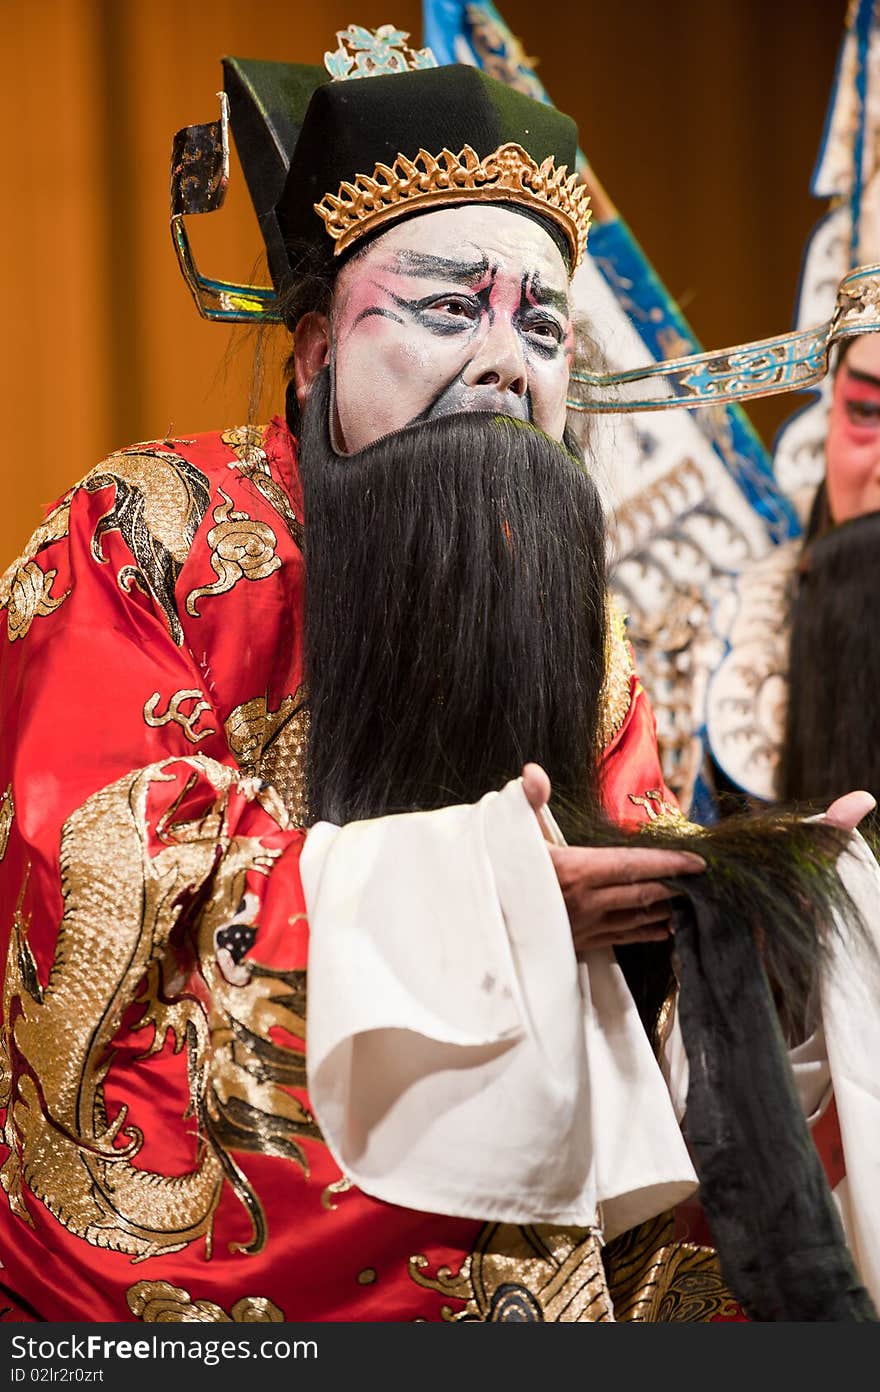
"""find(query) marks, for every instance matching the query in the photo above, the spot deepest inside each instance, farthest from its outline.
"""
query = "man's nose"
(498, 361)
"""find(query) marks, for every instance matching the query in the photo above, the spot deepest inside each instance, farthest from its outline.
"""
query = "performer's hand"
(847, 811)
(613, 894)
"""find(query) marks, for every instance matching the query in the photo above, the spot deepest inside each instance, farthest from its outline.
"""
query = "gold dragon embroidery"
(545, 1274)
(271, 745)
(655, 1278)
(528, 1274)
(252, 462)
(159, 501)
(7, 813)
(29, 597)
(54, 527)
(25, 590)
(120, 941)
(617, 687)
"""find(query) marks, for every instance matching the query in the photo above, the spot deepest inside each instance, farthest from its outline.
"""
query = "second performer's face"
(852, 444)
(463, 309)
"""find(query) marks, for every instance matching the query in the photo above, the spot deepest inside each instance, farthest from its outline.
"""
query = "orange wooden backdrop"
(703, 121)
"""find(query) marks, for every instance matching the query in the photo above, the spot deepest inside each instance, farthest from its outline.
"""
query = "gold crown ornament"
(508, 175)
(378, 52)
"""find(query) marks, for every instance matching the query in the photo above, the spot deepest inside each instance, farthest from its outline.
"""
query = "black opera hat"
(332, 155)
(331, 159)
(267, 106)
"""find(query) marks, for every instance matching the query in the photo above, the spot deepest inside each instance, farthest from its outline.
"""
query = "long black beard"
(455, 629)
(454, 616)
(831, 742)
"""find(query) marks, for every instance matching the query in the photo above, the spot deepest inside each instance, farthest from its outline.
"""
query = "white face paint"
(464, 309)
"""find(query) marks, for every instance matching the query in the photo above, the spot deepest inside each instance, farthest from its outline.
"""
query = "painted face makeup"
(463, 309)
(852, 444)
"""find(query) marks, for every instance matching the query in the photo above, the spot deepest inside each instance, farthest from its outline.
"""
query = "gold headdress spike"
(508, 175)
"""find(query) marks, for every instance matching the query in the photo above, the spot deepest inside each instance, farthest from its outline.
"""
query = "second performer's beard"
(832, 742)
(454, 618)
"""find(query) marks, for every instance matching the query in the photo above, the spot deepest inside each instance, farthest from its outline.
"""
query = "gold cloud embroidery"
(174, 714)
(158, 1302)
(241, 549)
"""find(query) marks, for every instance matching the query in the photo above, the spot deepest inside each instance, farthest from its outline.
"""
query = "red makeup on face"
(861, 401)
(852, 445)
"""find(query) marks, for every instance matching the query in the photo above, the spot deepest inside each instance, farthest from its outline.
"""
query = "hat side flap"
(267, 103)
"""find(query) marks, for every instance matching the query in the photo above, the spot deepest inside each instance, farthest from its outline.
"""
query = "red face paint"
(852, 446)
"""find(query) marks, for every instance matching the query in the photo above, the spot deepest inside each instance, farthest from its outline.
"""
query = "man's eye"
(547, 330)
(863, 412)
(455, 307)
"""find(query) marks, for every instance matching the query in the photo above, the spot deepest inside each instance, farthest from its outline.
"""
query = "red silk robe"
(159, 1154)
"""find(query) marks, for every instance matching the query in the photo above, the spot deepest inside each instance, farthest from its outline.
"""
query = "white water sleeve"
(460, 1060)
